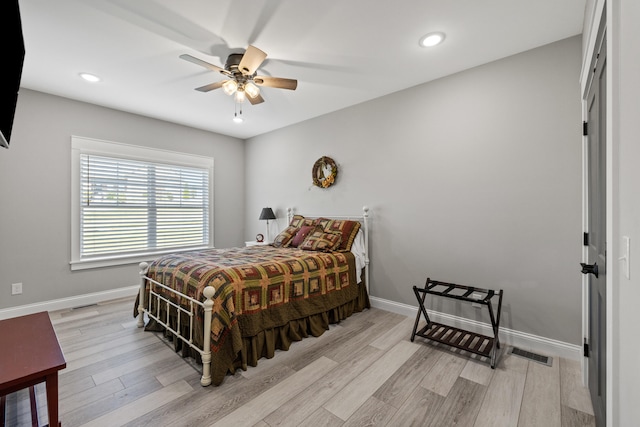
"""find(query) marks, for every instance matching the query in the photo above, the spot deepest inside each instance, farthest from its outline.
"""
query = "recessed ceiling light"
(431, 39)
(90, 77)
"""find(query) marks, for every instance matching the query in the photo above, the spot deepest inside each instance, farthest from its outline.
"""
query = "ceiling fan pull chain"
(237, 117)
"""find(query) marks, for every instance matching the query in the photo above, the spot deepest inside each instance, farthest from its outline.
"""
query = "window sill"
(113, 261)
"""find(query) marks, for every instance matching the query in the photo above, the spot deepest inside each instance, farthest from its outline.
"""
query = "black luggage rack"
(459, 338)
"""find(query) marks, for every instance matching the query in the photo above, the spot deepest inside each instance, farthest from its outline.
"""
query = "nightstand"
(254, 243)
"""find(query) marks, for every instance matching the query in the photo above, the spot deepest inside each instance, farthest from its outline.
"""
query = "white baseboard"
(71, 302)
(526, 341)
(523, 340)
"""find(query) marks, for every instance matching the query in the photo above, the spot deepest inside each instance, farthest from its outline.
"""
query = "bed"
(227, 308)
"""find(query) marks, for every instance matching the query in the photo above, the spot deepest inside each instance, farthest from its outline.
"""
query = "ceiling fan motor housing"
(233, 61)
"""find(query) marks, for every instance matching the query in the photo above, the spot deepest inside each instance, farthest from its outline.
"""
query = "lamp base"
(267, 236)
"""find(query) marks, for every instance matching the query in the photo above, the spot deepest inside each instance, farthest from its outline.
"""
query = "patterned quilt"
(258, 287)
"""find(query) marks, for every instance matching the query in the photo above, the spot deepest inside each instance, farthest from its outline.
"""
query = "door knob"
(589, 268)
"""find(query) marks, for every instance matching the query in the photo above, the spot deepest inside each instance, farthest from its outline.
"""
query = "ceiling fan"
(242, 81)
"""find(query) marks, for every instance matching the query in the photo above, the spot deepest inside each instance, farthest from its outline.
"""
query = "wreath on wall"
(324, 172)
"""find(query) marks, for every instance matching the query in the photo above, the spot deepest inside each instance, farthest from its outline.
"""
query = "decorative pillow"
(347, 228)
(319, 240)
(298, 221)
(300, 235)
(322, 222)
(285, 237)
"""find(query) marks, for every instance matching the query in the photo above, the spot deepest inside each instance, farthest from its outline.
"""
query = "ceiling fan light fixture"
(432, 39)
(251, 90)
(229, 87)
(240, 96)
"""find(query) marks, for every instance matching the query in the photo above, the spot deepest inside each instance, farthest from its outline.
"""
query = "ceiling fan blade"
(204, 64)
(256, 99)
(251, 60)
(210, 86)
(277, 82)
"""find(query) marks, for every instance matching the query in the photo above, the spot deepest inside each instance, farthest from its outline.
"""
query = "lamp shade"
(267, 213)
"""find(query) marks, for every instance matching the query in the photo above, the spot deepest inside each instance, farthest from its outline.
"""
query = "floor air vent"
(545, 360)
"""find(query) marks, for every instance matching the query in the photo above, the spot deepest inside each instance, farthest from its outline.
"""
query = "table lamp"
(267, 214)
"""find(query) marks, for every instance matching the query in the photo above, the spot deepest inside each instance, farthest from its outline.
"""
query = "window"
(131, 203)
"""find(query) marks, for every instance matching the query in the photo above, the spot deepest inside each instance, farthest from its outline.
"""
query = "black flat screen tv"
(13, 53)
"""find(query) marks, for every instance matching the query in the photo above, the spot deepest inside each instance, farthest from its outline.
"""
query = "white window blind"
(133, 206)
(129, 207)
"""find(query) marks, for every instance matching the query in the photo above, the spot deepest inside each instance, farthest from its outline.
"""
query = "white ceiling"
(342, 52)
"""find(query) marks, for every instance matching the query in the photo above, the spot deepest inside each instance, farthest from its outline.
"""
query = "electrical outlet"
(16, 288)
(476, 295)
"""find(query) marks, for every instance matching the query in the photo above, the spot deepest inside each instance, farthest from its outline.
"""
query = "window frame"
(83, 145)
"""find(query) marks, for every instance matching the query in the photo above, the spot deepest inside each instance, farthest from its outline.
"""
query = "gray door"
(595, 267)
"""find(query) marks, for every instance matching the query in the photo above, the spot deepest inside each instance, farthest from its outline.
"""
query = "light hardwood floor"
(364, 371)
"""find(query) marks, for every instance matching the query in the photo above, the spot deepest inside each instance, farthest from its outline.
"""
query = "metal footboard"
(207, 305)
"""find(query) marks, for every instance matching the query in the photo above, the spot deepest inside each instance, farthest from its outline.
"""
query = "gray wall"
(35, 204)
(474, 178)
